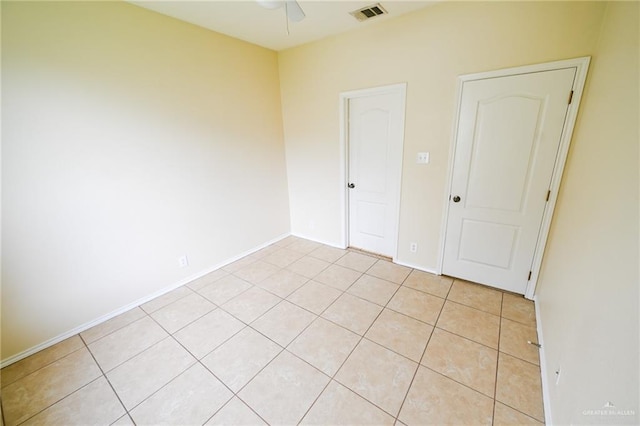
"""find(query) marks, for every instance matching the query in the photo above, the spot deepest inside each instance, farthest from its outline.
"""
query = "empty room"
(320, 212)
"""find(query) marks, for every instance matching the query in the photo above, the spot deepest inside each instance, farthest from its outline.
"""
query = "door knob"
(456, 199)
(352, 185)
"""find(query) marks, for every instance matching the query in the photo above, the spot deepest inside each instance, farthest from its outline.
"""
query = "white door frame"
(581, 65)
(401, 89)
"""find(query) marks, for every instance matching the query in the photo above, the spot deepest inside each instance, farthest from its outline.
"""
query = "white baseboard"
(546, 402)
(326, 243)
(419, 268)
(141, 301)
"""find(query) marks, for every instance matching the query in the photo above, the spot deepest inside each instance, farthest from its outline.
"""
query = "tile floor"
(295, 333)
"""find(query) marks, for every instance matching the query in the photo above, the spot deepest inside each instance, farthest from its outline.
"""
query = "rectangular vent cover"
(369, 12)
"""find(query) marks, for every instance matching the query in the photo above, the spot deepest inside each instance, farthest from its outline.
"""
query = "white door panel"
(508, 134)
(375, 137)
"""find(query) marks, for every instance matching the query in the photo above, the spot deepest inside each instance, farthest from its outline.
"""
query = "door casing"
(581, 65)
(401, 89)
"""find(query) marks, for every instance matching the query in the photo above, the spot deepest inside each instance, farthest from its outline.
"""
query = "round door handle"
(352, 185)
(456, 199)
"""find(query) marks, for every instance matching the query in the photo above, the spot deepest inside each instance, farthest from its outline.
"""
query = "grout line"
(495, 386)
(332, 378)
(5, 385)
(108, 381)
(424, 351)
(60, 400)
(144, 313)
(521, 412)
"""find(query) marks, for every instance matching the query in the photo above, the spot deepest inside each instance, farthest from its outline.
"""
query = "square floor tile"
(117, 347)
(462, 360)
(378, 375)
(435, 400)
(507, 416)
(438, 285)
(42, 388)
(517, 308)
(182, 312)
(416, 304)
(262, 253)
(95, 403)
(308, 266)
(471, 323)
(40, 359)
(356, 261)
(109, 326)
(224, 289)
(287, 241)
(339, 406)
(256, 272)
(389, 271)
(191, 398)
(514, 338)
(249, 305)
(476, 296)
(325, 345)
(328, 254)
(400, 333)
(338, 277)
(207, 333)
(239, 359)
(166, 299)
(283, 283)
(304, 246)
(124, 421)
(373, 289)
(141, 376)
(239, 264)
(314, 296)
(283, 323)
(207, 279)
(236, 412)
(519, 386)
(283, 257)
(352, 313)
(283, 392)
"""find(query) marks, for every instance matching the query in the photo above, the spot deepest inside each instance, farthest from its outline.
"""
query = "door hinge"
(548, 195)
(529, 279)
(570, 97)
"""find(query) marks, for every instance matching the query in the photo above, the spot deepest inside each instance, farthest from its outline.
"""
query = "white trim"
(447, 188)
(315, 240)
(581, 65)
(546, 398)
(141, 301)
(419, 268)
(401, 89)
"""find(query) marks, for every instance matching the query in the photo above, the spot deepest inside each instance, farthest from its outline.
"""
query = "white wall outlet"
(183, 261)
(423, 158)
(312, 224)
(413, 247)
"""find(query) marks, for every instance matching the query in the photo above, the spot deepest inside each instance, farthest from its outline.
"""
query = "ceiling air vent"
(369, 12)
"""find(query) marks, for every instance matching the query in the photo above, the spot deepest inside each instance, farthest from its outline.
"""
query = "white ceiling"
(247, 20)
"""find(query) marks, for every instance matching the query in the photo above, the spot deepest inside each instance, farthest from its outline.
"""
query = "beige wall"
(428, 50)
(128, 140)
(588, 294)
(588, 291)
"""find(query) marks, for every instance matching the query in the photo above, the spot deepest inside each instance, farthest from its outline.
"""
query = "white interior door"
(375, 138)
(508, 134)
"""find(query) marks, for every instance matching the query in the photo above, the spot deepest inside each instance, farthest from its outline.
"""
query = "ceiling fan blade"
(270, 4)
(294, 11)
